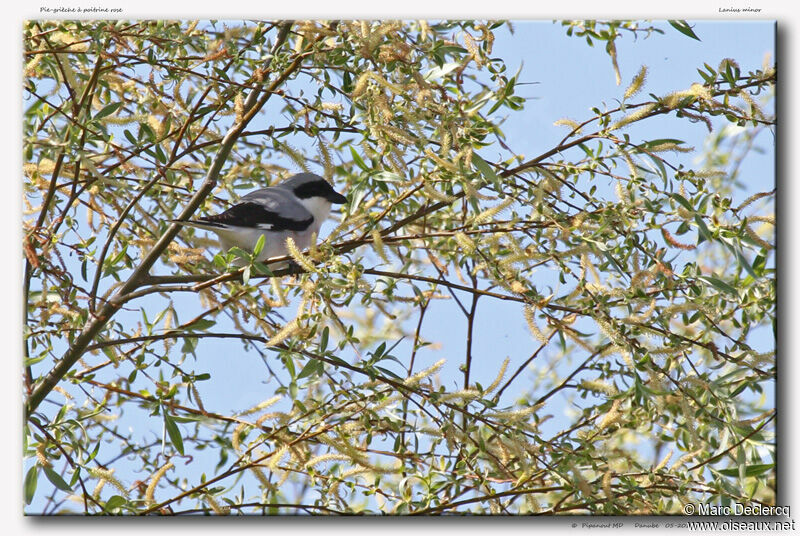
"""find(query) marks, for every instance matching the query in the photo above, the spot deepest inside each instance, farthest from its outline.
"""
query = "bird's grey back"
(281, 201)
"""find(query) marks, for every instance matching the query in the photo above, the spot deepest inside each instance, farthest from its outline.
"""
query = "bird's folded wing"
(256, 215)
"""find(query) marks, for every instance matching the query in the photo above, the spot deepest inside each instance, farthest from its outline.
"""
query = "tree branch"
(78, 347)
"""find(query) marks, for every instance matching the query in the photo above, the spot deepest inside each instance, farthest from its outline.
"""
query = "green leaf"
(201, 324)
(131, 138)
(750, 470)
(259, 245)
(719, 284)
(683, 201)
(683, 27)
(387, 176)
(744, 263)
(30, 484)
(485, 169)
(56, 479)
(660, 141)
(174, 433)
(108, 110)
(239, 252)
(114, 502)
(33, 360)
(323, 341)
(439, 72)
(357, 159)
(701, 225)
(313, 367)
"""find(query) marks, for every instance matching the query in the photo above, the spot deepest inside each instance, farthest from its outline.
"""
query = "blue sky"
(567, 77)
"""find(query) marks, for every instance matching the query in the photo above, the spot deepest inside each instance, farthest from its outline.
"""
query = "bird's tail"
(199, 224)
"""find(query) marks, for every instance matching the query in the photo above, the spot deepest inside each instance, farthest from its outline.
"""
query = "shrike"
(294, 208)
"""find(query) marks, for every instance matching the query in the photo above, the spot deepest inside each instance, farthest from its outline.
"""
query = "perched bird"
(294, 208)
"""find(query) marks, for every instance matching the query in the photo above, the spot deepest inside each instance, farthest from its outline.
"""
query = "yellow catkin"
(676, 308)
(766, 219)
(530, 319)
(446, 138)
(641, 317)
(63, 392)
(472, 46)
(361, 84)
(238, 107)
(634, 116)
(288, 330)
(261, 477)
(626, 355)
(419, 376)
(197, 398)
(663, 462)
(386, 402)
(466, 243)
(581, 483)
(620, 192)
(216, 508)
(634, 172)
(599, 386)
(436, 195)
(606, 483)
(611, 417)
(261, 406)
(517, 287)
(397, 134)
(151, 488)
(696, 90)
(325, 158)
(641, 278)
(566, 122)
(683, 460)
(491, 212)
(298, 256)
(41, 456)
(323, 458)
(746, 202)
(754, 236)
(571, 335)
(464, 394)
(517, 415)
(30, 67)
(441, 162)
(637, 83)
(380, 249)
(500, 375)
(237, 436)
(276, 457)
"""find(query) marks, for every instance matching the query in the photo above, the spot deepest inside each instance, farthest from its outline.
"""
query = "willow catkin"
(151, 488)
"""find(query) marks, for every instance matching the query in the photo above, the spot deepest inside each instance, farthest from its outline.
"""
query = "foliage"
(642, 284)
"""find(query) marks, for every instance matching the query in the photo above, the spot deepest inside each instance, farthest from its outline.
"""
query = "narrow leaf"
(30, 484)
(174, 433)
(56, 479)
(485, 169)
(683, 27)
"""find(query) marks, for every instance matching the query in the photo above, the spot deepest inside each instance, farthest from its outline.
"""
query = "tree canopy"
(160, 376)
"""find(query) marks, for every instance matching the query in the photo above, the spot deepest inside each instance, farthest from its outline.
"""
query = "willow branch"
(253, 104)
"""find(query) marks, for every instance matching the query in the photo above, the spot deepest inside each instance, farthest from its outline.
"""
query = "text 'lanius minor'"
(294, 208)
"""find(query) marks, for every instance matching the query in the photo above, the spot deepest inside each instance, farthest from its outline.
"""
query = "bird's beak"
(336, 198)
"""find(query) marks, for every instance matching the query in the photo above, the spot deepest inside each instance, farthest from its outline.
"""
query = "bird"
(293, 208)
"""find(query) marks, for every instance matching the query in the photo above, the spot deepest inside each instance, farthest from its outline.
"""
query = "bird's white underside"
(275, 242)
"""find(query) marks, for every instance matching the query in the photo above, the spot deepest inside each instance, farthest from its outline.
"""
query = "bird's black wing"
(257, 216)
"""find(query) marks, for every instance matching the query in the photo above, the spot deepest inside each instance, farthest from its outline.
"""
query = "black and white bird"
(294, 208)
